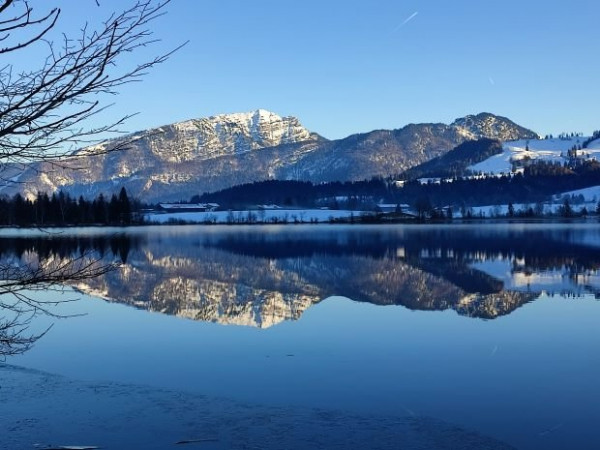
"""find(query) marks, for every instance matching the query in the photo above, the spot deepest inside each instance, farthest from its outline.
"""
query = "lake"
(491, 327)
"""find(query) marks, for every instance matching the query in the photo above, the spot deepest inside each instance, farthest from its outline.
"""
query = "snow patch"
(260, 216)
(551, 150)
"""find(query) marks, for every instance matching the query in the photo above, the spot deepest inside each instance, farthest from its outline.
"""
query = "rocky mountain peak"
(225, 134)
(486, 125)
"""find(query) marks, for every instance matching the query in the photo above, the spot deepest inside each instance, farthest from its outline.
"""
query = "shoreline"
(358, 220)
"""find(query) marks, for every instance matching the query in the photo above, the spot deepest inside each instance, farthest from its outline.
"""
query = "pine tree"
(124, 207)
(113, 210)
(20, 210)
(100, 210)
(511, 210)
(83, 207)
(42, 208)
(566, 209)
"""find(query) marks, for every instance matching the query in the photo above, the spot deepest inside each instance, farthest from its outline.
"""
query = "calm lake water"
(494, 328)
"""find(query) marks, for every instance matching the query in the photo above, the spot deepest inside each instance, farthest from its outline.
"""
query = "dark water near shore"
(491, 327)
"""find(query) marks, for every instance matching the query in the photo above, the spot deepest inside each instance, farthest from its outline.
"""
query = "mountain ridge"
(174, 162)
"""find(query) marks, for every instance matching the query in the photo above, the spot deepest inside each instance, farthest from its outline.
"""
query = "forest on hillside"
(537, 183)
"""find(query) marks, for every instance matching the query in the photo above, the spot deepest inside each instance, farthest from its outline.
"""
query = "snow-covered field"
(257, 216)
(554, 150)
(590, 194)
(547, 208)
(581, 198)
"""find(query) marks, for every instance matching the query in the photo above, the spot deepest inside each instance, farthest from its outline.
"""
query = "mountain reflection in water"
(260, 276)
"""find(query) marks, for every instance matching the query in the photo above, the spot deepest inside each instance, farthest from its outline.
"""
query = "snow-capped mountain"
(224, 134)
(233, 281)
(176, 161)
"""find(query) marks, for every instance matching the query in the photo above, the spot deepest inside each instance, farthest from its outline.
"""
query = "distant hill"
(456, 161)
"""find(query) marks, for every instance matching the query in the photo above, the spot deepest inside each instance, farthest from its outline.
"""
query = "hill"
(456, 161)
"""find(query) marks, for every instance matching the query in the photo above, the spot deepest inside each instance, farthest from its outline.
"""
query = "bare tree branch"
(29, 270)
(45, 117)
(14, 336)
(43, 112)
(25, 20)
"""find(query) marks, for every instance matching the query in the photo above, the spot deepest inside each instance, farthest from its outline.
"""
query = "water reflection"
(47, 246)
(260, 276)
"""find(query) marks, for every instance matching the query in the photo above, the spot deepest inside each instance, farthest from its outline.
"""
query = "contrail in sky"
(408, 19)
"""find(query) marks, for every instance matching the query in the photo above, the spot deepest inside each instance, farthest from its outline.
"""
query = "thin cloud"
(408, 19)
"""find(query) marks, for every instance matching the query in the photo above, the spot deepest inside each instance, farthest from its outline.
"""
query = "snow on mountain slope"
(553, 150)
(594, 145)
(224, 134)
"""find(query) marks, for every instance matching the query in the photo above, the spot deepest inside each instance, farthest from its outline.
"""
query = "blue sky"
(344, 67)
